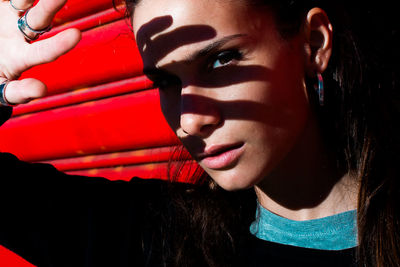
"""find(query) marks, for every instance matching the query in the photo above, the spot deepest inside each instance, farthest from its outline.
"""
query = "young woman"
(280, 103)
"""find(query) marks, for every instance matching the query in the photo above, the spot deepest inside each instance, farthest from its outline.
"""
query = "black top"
(54, 219)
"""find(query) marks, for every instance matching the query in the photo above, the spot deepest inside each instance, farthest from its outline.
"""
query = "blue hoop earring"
(320, 89)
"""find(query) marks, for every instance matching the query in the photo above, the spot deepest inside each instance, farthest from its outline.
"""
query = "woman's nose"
(200, 115)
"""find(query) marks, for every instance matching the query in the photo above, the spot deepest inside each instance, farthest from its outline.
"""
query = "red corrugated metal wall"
(102, 116)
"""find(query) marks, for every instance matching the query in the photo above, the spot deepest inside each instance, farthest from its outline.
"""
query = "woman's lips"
(221, 156)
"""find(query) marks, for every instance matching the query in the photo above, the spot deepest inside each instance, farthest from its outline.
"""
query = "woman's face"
(231, 87)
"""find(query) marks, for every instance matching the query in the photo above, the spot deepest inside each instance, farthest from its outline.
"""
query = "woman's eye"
(225, 58)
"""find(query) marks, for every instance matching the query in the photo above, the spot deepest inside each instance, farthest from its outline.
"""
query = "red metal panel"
(162, 154)
(155, 170)
(75, 9)
(114, 124)
(10, 259)
(107, 53)
(83, 95)
(136, 157)
(89, 22)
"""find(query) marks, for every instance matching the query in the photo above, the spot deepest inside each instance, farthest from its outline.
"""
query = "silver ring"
(3, 99)
(29, 33)
(16, 8)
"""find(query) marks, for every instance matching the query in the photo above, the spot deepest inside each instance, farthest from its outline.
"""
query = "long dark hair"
(360, 120)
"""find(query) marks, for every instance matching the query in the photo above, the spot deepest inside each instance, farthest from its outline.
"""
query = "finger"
(21, 4)
(50, 49)
(23, 91)
(41, 15)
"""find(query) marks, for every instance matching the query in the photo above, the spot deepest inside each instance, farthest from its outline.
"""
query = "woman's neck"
(307, 184)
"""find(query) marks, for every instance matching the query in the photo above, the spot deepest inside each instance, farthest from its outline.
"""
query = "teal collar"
(335, 232)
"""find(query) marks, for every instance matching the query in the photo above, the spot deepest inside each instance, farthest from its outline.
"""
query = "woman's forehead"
(162, 27)
(189, 12)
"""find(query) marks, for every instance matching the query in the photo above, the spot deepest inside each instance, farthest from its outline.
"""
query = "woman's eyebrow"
(196, 54)
(211, 47)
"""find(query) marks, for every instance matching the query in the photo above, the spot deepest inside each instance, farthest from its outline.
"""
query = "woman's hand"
(18, 55)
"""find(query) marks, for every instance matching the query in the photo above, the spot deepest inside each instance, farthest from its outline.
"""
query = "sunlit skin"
(231, 85)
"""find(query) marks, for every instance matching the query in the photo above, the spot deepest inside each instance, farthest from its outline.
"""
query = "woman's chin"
(231, 181)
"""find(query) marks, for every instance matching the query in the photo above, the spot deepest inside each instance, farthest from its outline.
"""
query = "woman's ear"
(318, 41)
